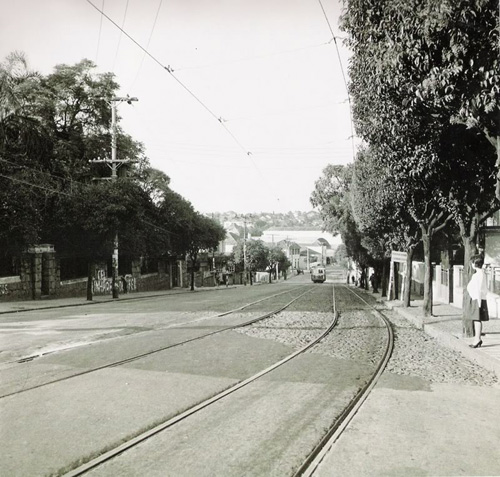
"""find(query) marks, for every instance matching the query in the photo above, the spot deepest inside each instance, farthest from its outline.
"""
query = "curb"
(448, 340)
(108, 300)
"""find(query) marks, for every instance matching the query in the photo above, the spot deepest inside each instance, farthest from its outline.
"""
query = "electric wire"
(147, 44)
(99, 36)
(120, 37)
(287, 112)
(343, 76)
(170, 71)
(252, 58)
(15, 179)
(54, 191)
(71, 181)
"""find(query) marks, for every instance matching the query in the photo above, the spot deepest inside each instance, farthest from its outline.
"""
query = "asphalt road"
(412, 424)
(50, 429)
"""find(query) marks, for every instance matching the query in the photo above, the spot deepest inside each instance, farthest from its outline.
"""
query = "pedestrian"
(124, 284)
(476, 307)
(374, 282)
(362, 279)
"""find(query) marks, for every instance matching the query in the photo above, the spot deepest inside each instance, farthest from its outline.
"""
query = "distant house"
(315, 246)
(292, 251)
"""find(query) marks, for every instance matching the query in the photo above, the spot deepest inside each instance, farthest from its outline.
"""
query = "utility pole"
(245, 250)
(114, 164)
(245, 269)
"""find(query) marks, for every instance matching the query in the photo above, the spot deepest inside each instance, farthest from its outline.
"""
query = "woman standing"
(477, 306)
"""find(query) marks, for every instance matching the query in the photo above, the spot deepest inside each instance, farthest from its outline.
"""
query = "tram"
(318, 274)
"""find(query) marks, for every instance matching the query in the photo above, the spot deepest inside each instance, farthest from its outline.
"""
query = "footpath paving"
(43, 304)
(445, 325)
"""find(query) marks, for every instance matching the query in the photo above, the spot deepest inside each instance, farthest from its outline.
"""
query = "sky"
(256, 105)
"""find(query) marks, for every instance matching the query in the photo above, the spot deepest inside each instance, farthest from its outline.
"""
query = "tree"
(461, 40)
(389, 63)
(331, 196)
(51, 127)
(374, 209)
(24, 143)
(470, 169)
(257, 255)
(276, 256)
(201, 233)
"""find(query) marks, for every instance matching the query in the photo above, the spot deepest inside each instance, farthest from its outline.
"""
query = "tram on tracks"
(318, 274)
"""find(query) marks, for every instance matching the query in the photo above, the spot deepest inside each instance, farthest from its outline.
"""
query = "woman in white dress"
(477, 307)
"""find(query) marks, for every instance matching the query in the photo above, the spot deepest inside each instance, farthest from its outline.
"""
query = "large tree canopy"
(424, 84)
(51, 128)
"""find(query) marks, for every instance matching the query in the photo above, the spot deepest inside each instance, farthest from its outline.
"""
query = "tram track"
(135, 441)
(135, 357)
(316, 457)
(116, 453)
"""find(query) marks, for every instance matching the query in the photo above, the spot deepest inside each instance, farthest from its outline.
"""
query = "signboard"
(399, 257)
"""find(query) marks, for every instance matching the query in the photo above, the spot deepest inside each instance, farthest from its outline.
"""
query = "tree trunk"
(90, 278)
(469, 251)
(193, 264)
(497, 145)
(427, 307)
(409, 260)
(384, 277)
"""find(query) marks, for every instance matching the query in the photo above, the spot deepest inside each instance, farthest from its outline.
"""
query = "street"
(79, 381)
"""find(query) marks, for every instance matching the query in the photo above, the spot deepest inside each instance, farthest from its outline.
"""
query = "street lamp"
(245, 272)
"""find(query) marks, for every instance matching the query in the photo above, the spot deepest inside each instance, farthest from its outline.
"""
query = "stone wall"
(40, 272)
(153, 282)
(72, 288)
(13, 288)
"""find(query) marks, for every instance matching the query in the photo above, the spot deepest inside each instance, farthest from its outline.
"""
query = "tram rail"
(308, 288)
(316, 457)
(111, 454)
(344, 412)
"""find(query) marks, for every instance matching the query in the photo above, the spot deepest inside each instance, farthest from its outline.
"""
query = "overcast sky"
(266, 68)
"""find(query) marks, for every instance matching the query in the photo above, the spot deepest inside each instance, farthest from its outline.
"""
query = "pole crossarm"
(114, 164)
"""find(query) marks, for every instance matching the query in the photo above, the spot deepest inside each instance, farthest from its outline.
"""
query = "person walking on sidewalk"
(477, 307)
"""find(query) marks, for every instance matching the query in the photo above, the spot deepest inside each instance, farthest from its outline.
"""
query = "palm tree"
(20, 130)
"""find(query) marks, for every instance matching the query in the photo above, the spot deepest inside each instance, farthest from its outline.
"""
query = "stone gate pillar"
(40, 280)
(49, 272)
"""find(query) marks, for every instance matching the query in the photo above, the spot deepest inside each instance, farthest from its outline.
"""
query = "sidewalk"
(445, 325)
(47, 303)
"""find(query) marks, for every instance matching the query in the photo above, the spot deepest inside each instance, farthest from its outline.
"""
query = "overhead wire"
(221, 121)
(147, 44)
(170, 71)
(99, 36)
(54, 191)
(343, 76)
(59, 192)
(251, 58)
(120, 37)
(38, 171)
(290, 111)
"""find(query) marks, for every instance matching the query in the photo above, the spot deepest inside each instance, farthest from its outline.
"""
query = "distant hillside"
(265, 220)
